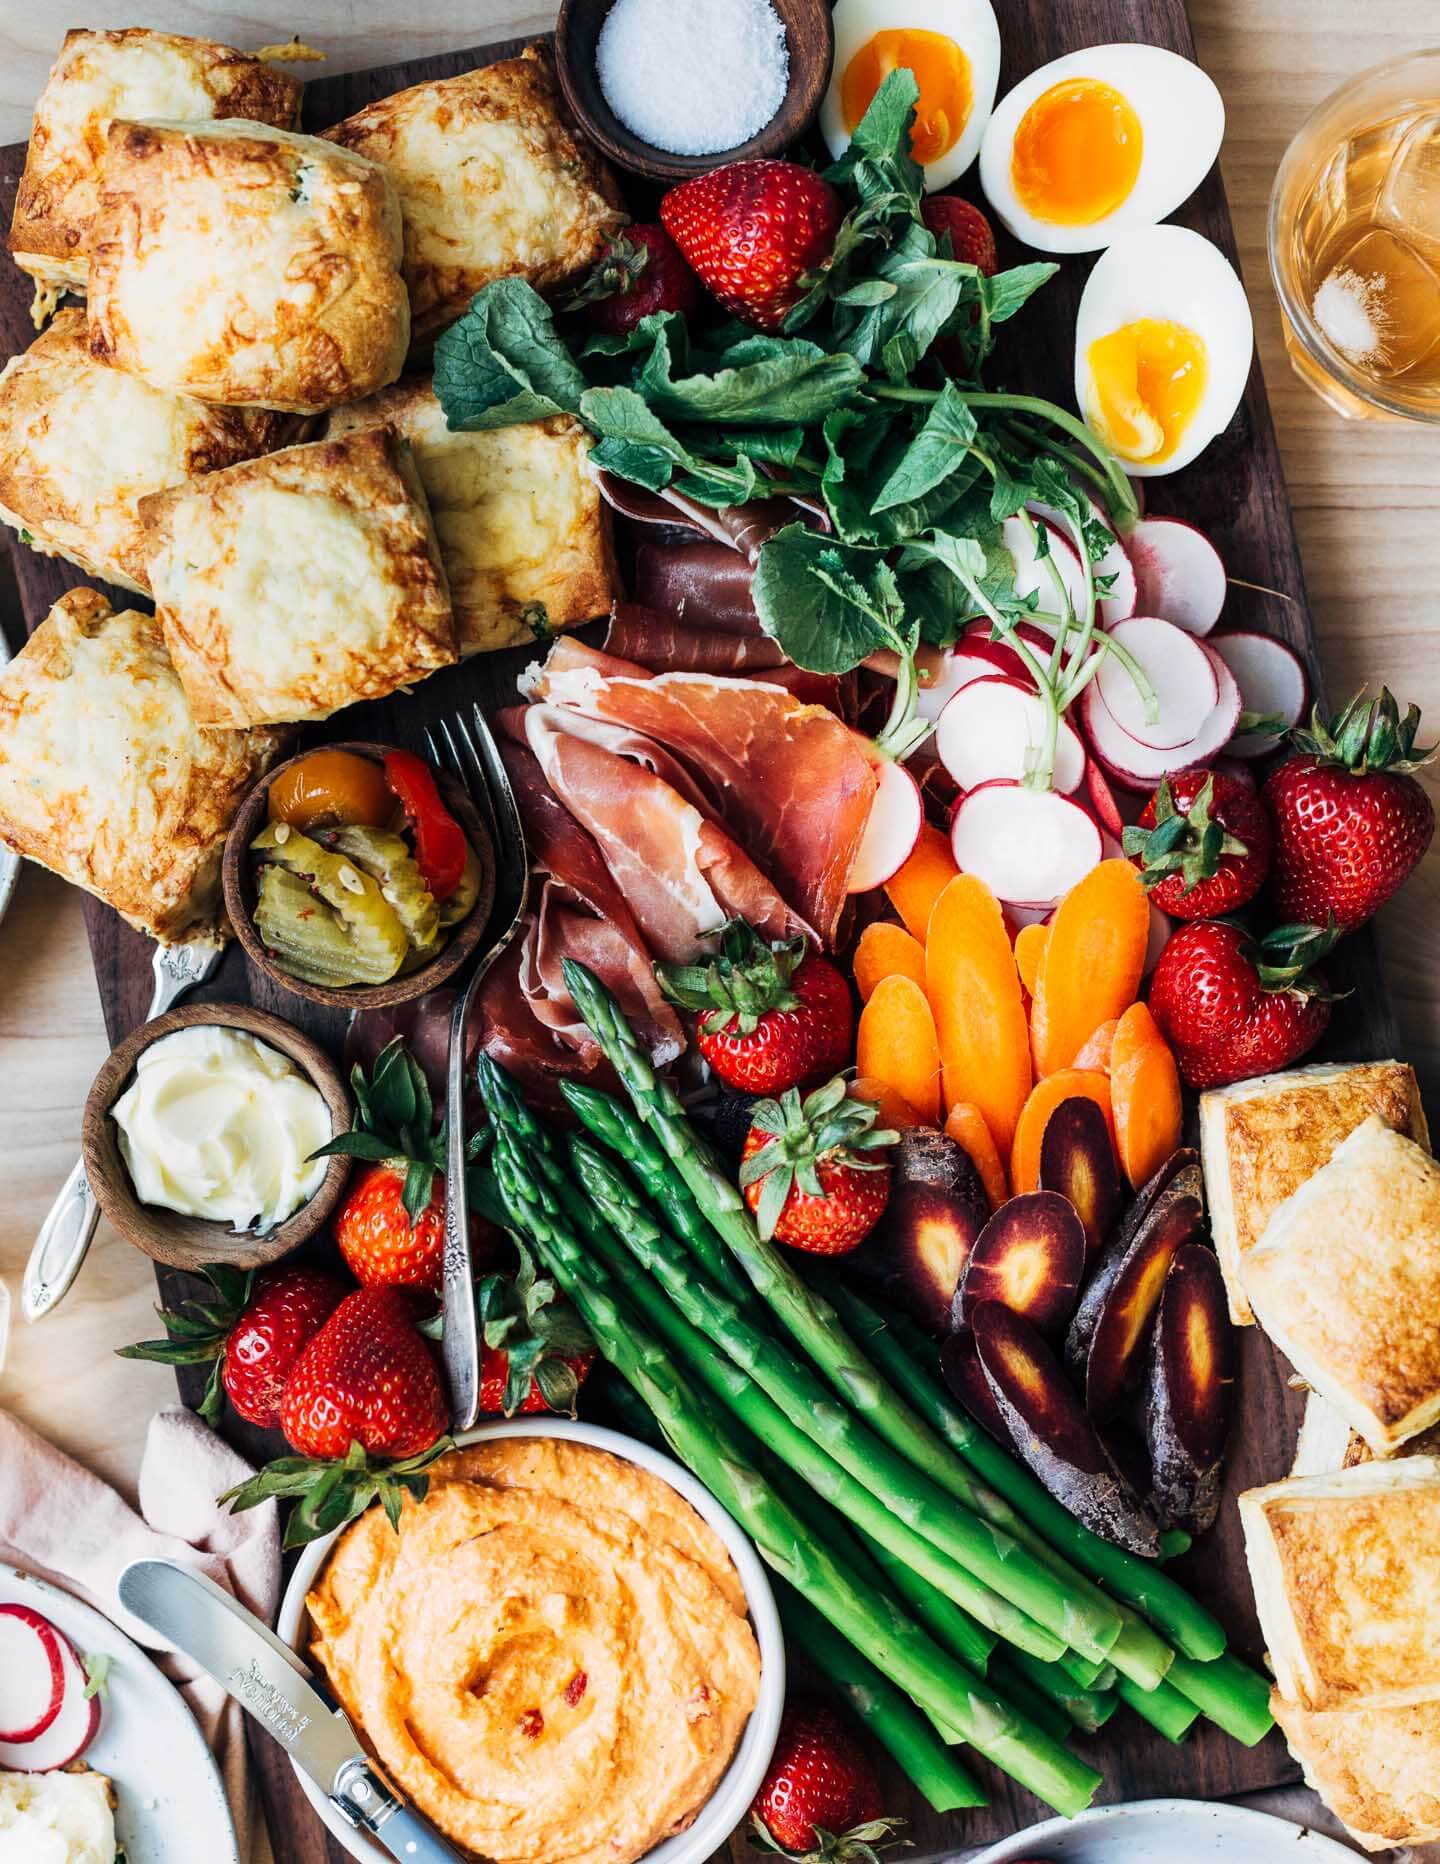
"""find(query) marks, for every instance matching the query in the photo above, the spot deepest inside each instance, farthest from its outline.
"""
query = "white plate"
(9, 863)
(1167, 1831)
(171, 1805)
(730, 1801)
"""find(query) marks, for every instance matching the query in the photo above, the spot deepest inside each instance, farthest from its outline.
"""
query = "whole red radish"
(1202, 844)
(1351, 822)
(1232, 1007)
(810, 1170)
(253, 1330)
(640, 272)
(820, 1797)
(972, 239)
(752, 232)
(771, 1016)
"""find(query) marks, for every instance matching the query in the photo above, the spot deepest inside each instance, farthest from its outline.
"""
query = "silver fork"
(469, 751)
(65, 1236)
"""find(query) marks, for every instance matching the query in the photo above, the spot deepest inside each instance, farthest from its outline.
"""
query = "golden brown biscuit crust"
(1378, 1769)
(520, 519)
(106, 778)
(295, 584)
(493, 180)
(246, 265)
(81, 445)
(132, 73)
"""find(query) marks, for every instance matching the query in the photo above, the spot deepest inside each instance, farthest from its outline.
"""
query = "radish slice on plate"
(993, 728)
(1272, 680)
(32, 1674)
(74, 1727)
(1135, 766)
(1102, 801)
(1179, 670)
(1178, 573)
(1028, 846)
(892, 829)
(972, 659)
(1032, 573)
(1115, 565)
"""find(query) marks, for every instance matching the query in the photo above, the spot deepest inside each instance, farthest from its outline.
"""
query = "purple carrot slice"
(1078, 1160)
(1030, 1258)
(1178, 1177)
(937, 1209)
(1190, 1386)
(1050, 1430)
(961, 1370)
(1116, 1358)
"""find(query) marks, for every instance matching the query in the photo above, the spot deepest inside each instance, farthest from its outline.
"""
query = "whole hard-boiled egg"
(1098, 142)
(1163, 341)
(953, 49)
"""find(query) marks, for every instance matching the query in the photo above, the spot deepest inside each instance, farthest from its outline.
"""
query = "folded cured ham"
(788, 779)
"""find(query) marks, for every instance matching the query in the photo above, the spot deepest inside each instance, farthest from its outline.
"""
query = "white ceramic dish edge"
(727, 1805)
(1158, 1831)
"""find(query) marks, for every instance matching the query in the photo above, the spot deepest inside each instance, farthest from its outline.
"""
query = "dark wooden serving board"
(1236, 491)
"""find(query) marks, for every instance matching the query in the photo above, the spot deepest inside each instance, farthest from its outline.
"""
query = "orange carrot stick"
(1029, 950)
(1045, 1097)
(1091, 966)
(886, 950)
(1094, 1051)
(974, 991)
(894, 1111)
(896, 1044)
(965, 1124)
(1145, 1087)
(914, 888)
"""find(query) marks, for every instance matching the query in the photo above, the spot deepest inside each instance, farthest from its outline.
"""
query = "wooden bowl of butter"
(198, 1131)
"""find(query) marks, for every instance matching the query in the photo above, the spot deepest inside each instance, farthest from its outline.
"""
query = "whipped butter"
(217, 1124)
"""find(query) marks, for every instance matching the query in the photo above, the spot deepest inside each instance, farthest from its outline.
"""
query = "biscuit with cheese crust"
(295, 584)
(246, 265)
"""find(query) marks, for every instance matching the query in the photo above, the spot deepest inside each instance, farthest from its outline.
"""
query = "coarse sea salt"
(693, 77)
(1349, 309)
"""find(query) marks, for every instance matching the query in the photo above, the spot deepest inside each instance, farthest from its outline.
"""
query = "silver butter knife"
(270, 1683)
(64, 1238)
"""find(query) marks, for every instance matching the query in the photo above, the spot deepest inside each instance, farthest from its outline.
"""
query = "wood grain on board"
(1236, 491)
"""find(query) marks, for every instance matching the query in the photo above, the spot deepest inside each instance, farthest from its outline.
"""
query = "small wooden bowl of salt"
(671, 88)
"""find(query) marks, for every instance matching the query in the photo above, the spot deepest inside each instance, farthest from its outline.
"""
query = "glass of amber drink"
(1354, 240)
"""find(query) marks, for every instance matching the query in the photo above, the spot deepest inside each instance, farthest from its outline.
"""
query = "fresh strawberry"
(535, 1352)
(972, 240)
(820, 1798)
(391, 1227)
(1232, 1007)
(251, 1334)
(771, 1016)
(641, 271)
(1351, 822)
(805, 1171)
(1202, 844)
(753, 231)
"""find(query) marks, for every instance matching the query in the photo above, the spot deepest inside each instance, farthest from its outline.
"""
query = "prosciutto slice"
(793, 784)
(658, 640)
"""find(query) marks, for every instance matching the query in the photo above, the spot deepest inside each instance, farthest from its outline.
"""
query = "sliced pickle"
(304, 936)
(388, 860)
(377, 936)
(467, 890)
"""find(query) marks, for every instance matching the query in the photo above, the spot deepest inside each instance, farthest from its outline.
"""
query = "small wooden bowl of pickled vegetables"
(358, 875)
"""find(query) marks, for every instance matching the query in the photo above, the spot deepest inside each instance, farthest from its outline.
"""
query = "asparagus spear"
(1233, 1695)
(1088, 1709)
(1045, 1711)
(897, 1647)
(1164, 1708)
(1094, 1624)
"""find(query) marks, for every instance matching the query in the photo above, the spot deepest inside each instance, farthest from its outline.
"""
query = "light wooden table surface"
(1367, 498)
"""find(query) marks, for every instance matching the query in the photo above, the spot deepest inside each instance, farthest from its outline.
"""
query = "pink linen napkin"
(59, 1520)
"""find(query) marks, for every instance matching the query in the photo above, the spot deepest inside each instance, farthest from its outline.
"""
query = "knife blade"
(270, 1683)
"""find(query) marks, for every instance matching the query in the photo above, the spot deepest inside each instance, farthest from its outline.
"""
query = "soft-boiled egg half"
(1163, 341)
(1098, 142)
(952, 47)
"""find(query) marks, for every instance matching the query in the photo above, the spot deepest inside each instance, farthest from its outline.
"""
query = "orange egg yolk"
(1146, 382)
(942, 72)
(1076, 154)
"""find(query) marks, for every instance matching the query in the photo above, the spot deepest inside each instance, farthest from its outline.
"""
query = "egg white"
(1177, 276)
(1182, 122)
(970, 23)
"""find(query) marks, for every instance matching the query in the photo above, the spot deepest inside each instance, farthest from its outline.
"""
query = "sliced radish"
(1115, 566)
(1179, 670)
(994, 727)
(1102, 800)
(1178, 573)
(32, 1674)
(74, 1727)
(971, 659)
(1135, 766)
(892, 830)
(1017, 917)
(1028, 846)
(1032, 573)
(1272, 679)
